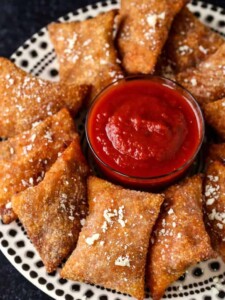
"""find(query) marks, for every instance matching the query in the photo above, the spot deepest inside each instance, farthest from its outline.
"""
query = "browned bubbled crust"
(128, 238)
(214, 205)
(144, 28)
(215, 116)
(86, 52)
(189, 42)
(206, 81)
(26, 99)
(179, 239)
(25, 158)
(51, 212)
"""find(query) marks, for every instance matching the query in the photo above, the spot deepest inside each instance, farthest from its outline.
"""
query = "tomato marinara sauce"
(145, 128)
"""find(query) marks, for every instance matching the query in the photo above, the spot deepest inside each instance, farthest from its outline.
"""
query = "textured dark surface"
(19, 19)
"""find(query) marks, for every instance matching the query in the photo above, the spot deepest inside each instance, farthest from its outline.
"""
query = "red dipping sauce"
(144, 131)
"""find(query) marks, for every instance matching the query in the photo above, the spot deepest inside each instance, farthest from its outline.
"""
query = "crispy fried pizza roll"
(52, 211)
(215, 205)
(215, 116)
(179, 239)
(25, 158)
(189, 43)
(26, 99)
(206, 81)
(144, 27)
(113, 244)
(86, 51)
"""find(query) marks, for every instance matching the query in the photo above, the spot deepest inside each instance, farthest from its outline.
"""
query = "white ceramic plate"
(205, 281)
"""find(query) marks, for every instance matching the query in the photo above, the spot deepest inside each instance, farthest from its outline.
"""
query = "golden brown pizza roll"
(179, 239)
(144, 27)
(112, 246)
(206, 81)
(86, 51)
(52, 211)
(214, 205)
(26, 99)
(215, 116)
(25, 158)
(189, 43)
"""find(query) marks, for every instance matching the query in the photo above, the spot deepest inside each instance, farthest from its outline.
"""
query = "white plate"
(38, 57)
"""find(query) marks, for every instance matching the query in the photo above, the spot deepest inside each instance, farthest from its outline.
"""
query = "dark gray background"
(19, 19)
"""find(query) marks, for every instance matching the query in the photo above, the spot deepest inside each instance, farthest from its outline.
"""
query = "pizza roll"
(179, 239)
(52, 211)
(144, 28)
(25, 158)
(189, 43)
(206, 81)
(215, 115)
(26, 99)
(86, 52)
(113, 244)
(214, 205)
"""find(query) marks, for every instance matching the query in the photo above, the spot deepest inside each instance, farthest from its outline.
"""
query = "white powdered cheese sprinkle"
(90, 240)
(82, 222)
(193, 81)
(9, 205)
(152, 20)
(123, 261)
(170, 211)
(202, 49)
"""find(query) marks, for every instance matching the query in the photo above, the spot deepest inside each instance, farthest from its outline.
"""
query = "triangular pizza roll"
(215, 116)
(144, 28)
(26, 99)
(189, 43)
(112, 246)
(25, 158)
(215, 205)
(179, 239)
(86, 51)
(52, 211)
(206, 81)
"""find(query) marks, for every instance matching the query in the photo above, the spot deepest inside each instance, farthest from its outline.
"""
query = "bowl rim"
(191, 99)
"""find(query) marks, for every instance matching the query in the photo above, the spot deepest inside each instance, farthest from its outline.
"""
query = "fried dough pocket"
(52, 211)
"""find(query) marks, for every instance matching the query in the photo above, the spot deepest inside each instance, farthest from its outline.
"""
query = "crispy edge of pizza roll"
(52, 211)
(189, 42)
(143, 30)
(214, 205)
(179, 239)
(113, 244)
(25, 158)
(215, 114)
(86, 52)
(26, 99)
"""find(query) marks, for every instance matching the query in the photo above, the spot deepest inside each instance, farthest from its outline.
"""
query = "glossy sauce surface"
(143, 128)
